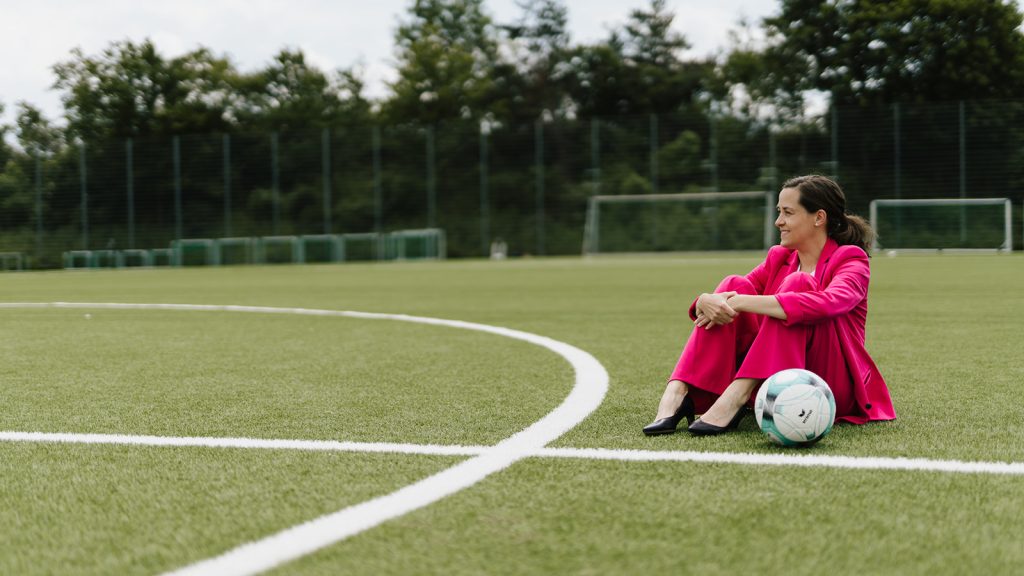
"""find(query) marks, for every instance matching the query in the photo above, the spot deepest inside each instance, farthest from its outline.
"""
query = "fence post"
(485, 210)
(835, 141)
(226, 139)
(39, 208)
(176, 144)
(83, 179)
(713, 166)
(652, 152)
(378, 195)
(275, 185)
(595, 155)
(129, 163)
(177, 254)
(963, 172)
(431, 181)
(538, 151)
(325, 160)
(713, 153)
(897, 168)
(653, 138)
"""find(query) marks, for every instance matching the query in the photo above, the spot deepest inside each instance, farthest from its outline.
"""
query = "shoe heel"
(687, 410)
(669, 425)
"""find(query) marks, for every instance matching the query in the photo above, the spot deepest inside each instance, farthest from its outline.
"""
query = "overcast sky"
(34, 35)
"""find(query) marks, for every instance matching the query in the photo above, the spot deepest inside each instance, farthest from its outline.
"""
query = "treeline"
(501, 128)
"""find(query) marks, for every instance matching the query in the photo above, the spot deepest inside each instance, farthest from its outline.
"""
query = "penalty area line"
(739, 458)
(803, 460)
(244, 443)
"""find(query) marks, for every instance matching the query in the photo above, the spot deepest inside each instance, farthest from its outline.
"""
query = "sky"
(333, 34)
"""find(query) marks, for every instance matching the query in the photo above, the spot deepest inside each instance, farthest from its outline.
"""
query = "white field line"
(245, 443)
(806, 460)
(589, 388)
(741, 458)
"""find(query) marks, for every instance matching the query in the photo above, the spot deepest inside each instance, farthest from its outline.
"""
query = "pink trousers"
(756, 346)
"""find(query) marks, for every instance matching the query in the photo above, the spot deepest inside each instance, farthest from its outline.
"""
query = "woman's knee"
(799, 282)
(736, 284)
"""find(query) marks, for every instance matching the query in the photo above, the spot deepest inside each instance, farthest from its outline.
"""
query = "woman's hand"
(714, 310)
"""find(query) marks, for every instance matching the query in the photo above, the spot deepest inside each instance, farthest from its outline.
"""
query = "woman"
(805, 306)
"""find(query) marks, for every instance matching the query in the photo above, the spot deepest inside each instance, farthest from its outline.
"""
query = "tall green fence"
(526, 185)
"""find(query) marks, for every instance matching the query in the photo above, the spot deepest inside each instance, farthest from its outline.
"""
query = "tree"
(639, 69)
(870, 52)
(291, 93)
(534, 83)
(446, 53)
(36, 135)
(648, 38)
(5, 151)
(130, 89)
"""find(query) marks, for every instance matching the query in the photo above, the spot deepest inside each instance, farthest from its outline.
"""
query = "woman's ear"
(820, 218)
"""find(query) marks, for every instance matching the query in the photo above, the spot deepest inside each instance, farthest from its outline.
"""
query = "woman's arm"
(764, 305)
(710, 310)
(722, 308)
(848, 287)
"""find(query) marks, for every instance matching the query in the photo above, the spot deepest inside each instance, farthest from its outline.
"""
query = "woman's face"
(796, 225)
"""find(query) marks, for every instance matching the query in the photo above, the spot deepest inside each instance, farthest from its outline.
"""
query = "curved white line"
(591, 384)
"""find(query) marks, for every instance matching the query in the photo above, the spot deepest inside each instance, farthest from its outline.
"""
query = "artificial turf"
(944, 330)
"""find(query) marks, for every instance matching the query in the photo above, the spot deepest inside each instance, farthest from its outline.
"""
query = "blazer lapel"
(792, 262)
(823, 260)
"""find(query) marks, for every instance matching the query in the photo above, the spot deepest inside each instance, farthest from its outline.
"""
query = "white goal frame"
(1007, 245)
(592, 228)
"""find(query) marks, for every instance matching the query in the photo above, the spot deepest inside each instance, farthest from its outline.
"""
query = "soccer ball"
(795, 407)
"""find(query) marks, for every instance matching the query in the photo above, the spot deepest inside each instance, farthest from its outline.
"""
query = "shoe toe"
(662, 426)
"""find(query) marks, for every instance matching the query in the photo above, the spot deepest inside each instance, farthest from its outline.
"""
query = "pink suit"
(823, 332)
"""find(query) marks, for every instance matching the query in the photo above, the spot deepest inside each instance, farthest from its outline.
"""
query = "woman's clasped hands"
(714, 310)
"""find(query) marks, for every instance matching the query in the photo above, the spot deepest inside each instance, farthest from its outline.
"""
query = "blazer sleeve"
(847, 288)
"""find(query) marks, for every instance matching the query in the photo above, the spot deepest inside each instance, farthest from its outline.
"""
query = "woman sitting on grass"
(805, 306)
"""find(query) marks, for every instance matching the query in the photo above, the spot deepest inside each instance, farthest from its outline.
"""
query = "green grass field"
(944, 330)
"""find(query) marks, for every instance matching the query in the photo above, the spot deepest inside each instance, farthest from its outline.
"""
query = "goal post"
(687, 222)
(942, 224)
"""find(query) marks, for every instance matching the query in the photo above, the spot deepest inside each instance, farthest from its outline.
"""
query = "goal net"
(703, 221)
(943, 224)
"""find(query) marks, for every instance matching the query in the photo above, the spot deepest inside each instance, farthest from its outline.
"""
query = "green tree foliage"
(870, 52)
(639, 69)
(446, 53)
(37, 136)
(5, 151)
(534, 82)
(130, 90)
(290, 94)
(8, 180)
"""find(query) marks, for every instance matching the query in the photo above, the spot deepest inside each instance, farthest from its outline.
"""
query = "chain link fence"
(526, 185)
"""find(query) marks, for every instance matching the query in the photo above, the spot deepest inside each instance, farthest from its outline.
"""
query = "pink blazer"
(843, 275)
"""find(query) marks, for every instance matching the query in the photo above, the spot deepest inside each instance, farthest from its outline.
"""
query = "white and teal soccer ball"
(795, 407)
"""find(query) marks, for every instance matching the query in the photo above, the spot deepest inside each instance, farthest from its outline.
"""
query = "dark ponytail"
(856, 231)
(822, 193)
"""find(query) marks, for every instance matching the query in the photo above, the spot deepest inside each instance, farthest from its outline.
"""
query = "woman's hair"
(821, 193)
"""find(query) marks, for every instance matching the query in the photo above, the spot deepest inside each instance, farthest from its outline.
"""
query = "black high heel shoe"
(702, 428)
(668, 425)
